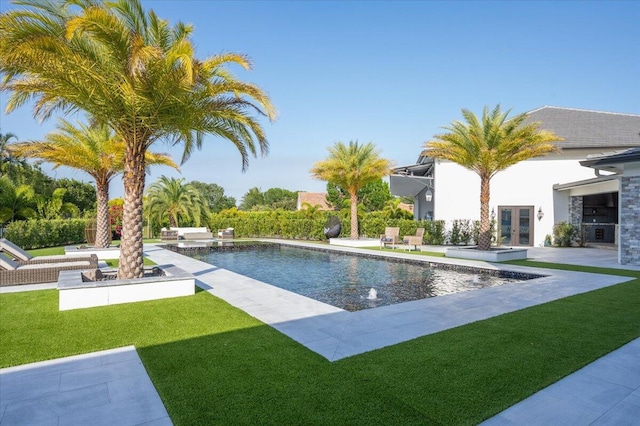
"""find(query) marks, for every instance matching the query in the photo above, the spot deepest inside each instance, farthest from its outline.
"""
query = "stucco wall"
(529, 183)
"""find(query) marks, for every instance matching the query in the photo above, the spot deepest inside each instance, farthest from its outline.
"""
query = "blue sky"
(392, 73)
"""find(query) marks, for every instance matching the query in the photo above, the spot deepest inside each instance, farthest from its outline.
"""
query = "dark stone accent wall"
(629, 226)
(575, 210)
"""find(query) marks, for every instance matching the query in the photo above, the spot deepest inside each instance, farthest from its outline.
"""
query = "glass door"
(515, 225)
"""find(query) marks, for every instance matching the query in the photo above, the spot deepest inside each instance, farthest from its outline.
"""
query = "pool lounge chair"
(391, 236)
(21, 257)
(414, 240)
(14, 273)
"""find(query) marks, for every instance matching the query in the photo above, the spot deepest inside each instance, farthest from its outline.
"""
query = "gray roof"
(589, 129)
(612, 160)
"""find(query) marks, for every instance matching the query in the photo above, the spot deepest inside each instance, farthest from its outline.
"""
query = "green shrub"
(30, 234)
(564, 234)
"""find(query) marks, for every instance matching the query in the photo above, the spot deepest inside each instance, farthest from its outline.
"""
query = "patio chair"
(226, 233)
(414, 240)
(14, 273)
(391, 236)
(23, 258)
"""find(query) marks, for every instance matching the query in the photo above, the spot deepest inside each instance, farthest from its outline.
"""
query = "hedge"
(31, 234)
(306, 226)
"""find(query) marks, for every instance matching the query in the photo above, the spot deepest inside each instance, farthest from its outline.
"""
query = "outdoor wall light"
(428, 195)
(540, 214)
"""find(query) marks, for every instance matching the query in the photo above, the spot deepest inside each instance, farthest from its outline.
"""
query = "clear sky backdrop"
(391, 73)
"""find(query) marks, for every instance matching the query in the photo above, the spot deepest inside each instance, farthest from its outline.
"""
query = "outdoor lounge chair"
(414, 240)
(226, 233)
(391, 236)
(23, 258)
(15, 273)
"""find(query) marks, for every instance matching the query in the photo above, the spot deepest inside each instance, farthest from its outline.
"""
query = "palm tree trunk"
(131, 263)
(484, 239)
(103, 239)
(354, 216)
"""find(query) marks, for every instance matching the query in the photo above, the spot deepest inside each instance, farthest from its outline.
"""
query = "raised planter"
(102, 253)
(75, 293)
(495, 254)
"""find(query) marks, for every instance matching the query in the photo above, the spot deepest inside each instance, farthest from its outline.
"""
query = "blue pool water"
(345, 280)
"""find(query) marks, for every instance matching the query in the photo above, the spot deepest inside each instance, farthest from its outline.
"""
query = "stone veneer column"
(575, 210)
(630, 220)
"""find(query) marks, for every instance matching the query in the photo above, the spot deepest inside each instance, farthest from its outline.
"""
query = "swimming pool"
(347, 281)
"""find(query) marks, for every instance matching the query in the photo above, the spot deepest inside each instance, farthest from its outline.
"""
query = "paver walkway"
(102, 388)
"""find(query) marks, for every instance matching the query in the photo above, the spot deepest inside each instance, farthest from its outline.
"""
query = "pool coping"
(336, 334)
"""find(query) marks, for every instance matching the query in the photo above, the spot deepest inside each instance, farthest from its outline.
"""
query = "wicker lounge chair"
(14, 273)
(391, 236)
(414, 240)
(23, 258)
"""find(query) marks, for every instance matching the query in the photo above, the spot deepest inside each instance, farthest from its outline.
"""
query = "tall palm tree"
(133, 71)
(172, 199)
(94, 149)
(351, 167)
(488, 146)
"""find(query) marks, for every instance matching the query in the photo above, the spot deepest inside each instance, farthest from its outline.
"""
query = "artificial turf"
(214, 364)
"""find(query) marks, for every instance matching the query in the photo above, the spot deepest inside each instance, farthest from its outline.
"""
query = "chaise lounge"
(15, 273)
(21, 257)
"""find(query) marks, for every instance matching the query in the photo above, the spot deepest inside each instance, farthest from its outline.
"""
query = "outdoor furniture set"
(391, 237)
(19, 267)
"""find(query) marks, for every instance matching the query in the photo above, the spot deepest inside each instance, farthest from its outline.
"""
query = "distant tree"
(393, 210)
(81, 194)
(214, 196)
(16, 202)
(278, 198)
(252, 198)
(373, 196)
(6, 157)
(351, 167)
(55, 207)
(488, 146)
(173, 200)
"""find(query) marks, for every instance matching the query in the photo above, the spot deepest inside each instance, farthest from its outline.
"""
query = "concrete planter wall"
(75, 294)
(499, 254)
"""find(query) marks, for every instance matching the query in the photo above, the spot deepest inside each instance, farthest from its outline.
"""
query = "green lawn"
(214, 364)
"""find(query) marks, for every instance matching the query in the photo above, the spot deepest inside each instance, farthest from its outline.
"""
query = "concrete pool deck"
(335, 333)
(605, 392)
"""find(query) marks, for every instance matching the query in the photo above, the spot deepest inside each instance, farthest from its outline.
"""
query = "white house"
(582, 184)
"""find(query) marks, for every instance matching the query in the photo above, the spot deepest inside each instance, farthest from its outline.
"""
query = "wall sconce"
(428, 195)
(540, 214)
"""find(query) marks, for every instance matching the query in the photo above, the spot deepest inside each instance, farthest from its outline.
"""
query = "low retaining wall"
(102, 253)
(75, 294)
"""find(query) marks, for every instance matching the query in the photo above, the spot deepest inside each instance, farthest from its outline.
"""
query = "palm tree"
(170, 198)
(134, 72)
(16, 202)
(351, 167)
(94, 149)
(6, 157)
(489, 146)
